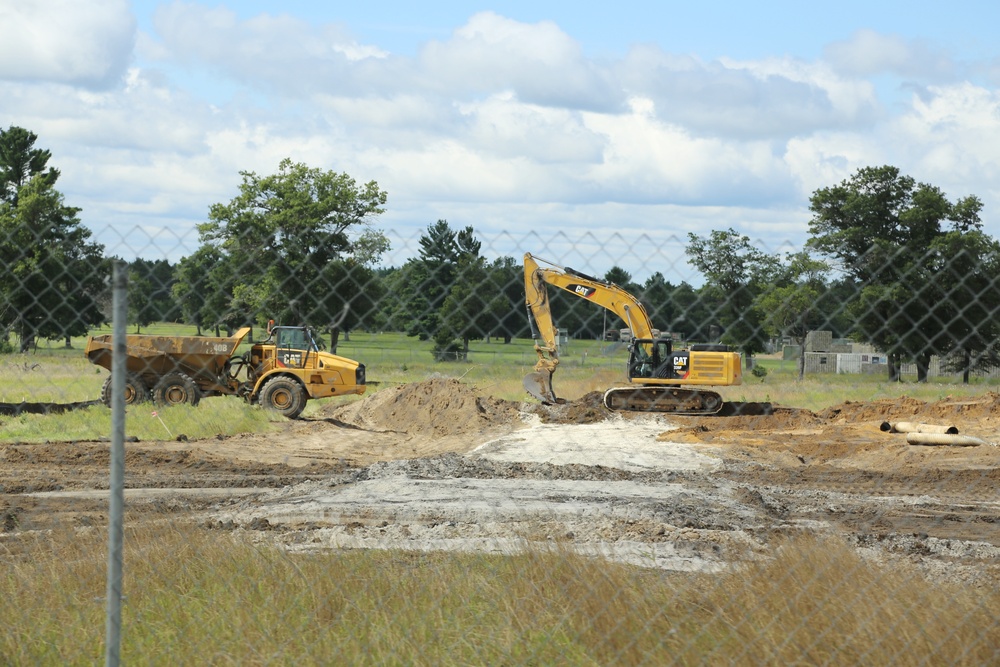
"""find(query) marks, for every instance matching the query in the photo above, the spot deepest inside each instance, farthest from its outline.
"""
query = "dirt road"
(438, 465)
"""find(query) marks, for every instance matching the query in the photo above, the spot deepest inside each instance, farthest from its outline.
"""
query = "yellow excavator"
(655, 370)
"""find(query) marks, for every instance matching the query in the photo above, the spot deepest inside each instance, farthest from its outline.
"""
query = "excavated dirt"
(441, 465)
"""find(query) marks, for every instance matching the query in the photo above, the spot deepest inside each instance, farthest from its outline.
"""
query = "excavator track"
(670, 400)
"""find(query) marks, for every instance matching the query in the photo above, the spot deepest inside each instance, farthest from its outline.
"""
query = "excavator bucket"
(539, 385)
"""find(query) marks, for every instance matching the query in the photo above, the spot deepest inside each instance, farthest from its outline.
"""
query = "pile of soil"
(986, 408)
(962, 412)
(775, 419)
(438, 407)
(588, 409)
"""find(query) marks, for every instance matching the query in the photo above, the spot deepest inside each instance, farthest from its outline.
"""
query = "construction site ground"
(440, 465)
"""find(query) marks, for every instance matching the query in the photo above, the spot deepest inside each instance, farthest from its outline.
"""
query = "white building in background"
(825, 354)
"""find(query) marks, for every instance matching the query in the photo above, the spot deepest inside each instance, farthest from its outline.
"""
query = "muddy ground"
(441, 465)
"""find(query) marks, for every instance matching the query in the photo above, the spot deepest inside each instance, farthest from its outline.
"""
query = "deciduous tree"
(735, 272)
(888, 232)
(296, 246)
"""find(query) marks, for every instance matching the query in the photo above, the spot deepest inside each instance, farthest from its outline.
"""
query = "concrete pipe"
(942, 439)
(914, 427)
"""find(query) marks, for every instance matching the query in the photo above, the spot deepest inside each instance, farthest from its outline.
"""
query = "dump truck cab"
(288, 368)
(286, 347)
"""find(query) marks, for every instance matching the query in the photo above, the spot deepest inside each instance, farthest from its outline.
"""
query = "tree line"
(889, 261)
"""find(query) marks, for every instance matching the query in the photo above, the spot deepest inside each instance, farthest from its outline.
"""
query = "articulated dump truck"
(280, 373)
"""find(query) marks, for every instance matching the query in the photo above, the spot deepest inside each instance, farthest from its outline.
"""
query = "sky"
(588, 134)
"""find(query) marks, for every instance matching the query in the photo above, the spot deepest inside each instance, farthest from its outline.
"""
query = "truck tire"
(284, 395)
(176, 389)
(136, 390)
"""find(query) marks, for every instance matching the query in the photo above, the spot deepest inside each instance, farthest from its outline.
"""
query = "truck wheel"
(176, 389)
(135, 390)
(284, 395)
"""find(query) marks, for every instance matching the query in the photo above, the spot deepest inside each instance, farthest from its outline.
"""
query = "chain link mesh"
(823, 518)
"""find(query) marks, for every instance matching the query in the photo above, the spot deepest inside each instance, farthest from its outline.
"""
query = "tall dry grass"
(195, 596)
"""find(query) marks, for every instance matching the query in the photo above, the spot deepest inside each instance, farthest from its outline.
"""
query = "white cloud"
(540, 62)
(848, 99)
(868, 53)
(652, 161)
(140, 116)
(397, 118)
(503, 150)
(949, 137)
(772, 98)
(952, 139)
(504, 126)
(823, 159)
(269, 52)
(80, 43)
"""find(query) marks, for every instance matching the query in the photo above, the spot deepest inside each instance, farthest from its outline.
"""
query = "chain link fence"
(820, 516)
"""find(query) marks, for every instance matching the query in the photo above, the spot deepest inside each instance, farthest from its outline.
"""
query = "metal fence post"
(117, 482)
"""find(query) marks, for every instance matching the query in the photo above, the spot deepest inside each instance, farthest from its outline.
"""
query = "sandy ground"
(437, 465)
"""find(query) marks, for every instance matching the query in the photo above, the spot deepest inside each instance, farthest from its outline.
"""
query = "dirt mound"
(903, 407)
(439, 406)
(911, 409)
(779, 419)
(587, 409)
(445, 407)
(948, 410)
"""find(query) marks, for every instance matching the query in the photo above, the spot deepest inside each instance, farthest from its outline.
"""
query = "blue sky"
(583, 133)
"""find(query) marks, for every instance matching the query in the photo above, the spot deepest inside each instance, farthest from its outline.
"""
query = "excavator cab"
(643, 358)
(656, 359)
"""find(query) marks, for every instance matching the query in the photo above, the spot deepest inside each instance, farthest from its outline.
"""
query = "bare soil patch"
(438, 464)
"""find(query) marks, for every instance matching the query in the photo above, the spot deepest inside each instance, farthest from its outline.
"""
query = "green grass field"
(57, 374)
(54, 373)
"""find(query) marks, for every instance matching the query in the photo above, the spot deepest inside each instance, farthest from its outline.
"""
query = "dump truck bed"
(158, 355)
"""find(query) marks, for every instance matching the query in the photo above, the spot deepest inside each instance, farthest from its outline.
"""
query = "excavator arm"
(605, 294)
(543, 330)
